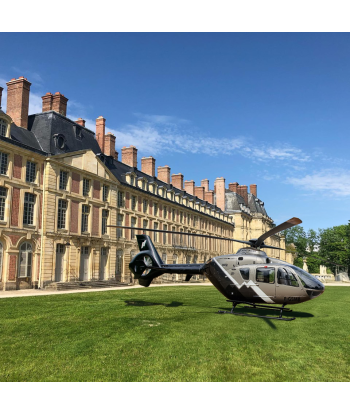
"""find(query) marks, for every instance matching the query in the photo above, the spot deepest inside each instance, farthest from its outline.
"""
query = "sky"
(270, 109)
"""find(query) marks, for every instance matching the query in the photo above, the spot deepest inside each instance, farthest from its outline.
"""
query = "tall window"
(105, 192)
(86, 187)
(181, 217)
(194, 220)
(133, 202)
(3, 193)
(3, 127)
(173, 215)
(164, 258)
(133, 225)
(3, 163)
(165, 212)
(1, 257)
(63, 180)
(85, 218)
(165, 228)
(120, 199)
(145, 225)
(174, 236)
(119, 262)
(155, 209)
(104, 221)
(145, 205)
(155, 227)
(28, 212)
(25, 260)
(31, 171)
(61, 214)
(120, 232)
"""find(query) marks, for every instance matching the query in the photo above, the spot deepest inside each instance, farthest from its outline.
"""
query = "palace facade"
(63, 188)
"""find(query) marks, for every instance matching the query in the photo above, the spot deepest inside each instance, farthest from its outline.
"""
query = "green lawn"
(170, 334)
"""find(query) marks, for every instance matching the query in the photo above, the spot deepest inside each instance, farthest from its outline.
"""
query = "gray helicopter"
(248, 277)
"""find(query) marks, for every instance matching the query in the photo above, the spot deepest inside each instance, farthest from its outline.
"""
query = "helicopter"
(248, 277)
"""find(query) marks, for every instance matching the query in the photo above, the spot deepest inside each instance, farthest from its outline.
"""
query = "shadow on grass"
(141, 303)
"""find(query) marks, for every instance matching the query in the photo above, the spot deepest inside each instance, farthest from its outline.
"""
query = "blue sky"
(264, 108)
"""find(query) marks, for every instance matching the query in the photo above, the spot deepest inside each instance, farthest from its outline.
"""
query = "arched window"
(1, 259)
(25, 260)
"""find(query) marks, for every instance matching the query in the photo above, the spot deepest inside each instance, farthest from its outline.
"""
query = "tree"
(334, 246)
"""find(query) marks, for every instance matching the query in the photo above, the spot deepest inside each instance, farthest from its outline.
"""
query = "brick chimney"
(148, 165)
(129, 156)
(233, 187)
(177, 180)
(253, 190)
(199, 192)
(164, 174)
(100, 131)
(244, 193)
(18, 100)
(189, 187)
(209, 196)
(239, 190)
(220, 192)
(81, 122)
(205, 184)
(1, 89)
(109, 145)
(59, 103)
(47, 102)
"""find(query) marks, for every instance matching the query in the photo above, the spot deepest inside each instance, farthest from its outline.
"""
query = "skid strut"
(253, 305)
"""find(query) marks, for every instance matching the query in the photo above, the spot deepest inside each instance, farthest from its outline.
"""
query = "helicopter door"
(265, 278)
(288, 287)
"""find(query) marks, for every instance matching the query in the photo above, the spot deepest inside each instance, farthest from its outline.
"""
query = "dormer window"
(3, 127)
(132, 180)
(60, 141)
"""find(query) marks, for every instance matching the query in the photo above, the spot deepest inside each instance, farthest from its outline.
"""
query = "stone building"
(62, 186)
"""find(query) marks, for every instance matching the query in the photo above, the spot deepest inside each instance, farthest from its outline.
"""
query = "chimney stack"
(59, 103)
(209, 196)
(253, 190)
(244, 194)
(100, 132)
(81, 122)
(199, 192)
(164, 174)
(205, 184)
(129, 156)
(18, 100)
(220, 193)
(148, 165)
(47, 102)
(177, 180)
(109, 145)
(1, 89)
(189, 187)
(233, 187)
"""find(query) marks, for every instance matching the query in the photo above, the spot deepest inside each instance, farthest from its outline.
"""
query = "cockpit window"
(245, 273)
(308, 280)
(265, 275)
(285, 277)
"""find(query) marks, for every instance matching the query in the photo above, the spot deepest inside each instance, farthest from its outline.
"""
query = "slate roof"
(45, 127)
(235, 202)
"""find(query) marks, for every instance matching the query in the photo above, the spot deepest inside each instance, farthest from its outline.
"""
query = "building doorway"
(84, 263)
(103, 264)
(25, 260)
(59, 270)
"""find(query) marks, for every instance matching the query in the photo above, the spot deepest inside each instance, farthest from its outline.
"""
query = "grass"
(170, 334)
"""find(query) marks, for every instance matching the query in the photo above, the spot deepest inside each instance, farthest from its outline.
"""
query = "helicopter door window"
(245, 273)
(266, 275)
(285, 277)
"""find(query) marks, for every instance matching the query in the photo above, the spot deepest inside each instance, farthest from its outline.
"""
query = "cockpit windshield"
(308, 281)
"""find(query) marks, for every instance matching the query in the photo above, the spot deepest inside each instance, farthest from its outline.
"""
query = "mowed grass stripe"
(170, 334)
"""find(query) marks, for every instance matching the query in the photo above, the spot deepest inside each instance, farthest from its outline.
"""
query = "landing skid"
(253, 305)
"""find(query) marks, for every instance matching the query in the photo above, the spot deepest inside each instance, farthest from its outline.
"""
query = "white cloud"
(335, 182)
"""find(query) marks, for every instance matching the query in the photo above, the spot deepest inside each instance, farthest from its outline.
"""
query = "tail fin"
(147, 263)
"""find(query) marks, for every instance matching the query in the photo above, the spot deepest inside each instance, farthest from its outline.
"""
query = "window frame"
(86, 187)
(61, 213)
(31, 171)
(29, 208)
(3, 171)
(85, 213)
(3, 198)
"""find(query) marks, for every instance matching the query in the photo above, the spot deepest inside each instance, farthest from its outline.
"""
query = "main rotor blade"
(178, 233)
(283, 226)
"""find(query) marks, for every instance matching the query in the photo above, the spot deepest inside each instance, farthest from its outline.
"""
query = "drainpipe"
(42, 228)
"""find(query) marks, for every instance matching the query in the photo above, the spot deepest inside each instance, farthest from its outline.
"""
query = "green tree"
(334, 246)
(297, 236)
